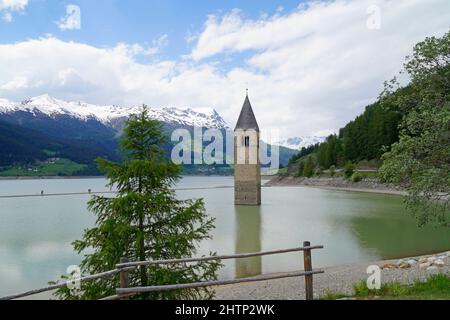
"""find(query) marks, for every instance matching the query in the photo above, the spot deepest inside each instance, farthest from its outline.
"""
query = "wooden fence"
(124, 292)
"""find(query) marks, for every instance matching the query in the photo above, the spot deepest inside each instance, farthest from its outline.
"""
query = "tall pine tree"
(145, 221)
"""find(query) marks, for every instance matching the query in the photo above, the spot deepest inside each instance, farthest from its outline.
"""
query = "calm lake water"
(36, 232)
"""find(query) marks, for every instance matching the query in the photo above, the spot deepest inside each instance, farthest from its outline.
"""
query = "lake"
(36, 232)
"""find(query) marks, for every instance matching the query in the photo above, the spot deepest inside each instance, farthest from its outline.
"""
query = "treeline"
(365, 138)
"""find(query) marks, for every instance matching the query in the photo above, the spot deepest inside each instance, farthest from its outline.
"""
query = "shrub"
(318, 172)
(357, 177)
(332, 170)
(349, 168)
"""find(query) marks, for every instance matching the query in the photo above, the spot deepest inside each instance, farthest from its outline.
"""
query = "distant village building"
(247, 169)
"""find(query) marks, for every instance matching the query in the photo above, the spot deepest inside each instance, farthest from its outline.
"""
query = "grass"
(61, 167)
(436, 287)
(330, 295)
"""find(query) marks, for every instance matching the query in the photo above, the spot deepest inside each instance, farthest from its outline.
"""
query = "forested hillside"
(22, 146)
(365, 138)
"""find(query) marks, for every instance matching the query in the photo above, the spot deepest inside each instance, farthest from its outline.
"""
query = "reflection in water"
(383, 235)
(248, 239)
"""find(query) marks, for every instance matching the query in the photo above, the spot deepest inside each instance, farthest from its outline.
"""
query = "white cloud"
(7, 16)
(136, 49)
(16, 83)
(309, 71)
(13, 5)
(321, 64)
(158, 45)
(72, 19)
(9, 6)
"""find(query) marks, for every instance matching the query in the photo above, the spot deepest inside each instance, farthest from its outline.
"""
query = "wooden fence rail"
(59, 285)
(127, 292)
(122, 268)
(223, 257)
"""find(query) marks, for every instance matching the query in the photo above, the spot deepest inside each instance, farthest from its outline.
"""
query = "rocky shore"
(336, 183)
(340, 279)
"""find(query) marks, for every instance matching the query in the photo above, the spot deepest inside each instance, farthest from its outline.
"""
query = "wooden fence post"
(308, 267)
(124, 277)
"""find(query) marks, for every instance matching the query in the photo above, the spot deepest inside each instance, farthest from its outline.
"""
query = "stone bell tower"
(247, 170)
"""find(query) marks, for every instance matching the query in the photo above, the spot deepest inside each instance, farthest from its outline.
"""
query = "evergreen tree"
(301, 167)
(145, 221)
(308, 169)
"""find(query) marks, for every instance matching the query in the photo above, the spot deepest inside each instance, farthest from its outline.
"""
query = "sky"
(310, 66)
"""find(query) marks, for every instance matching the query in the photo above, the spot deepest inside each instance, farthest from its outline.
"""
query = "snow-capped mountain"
(297, 143)
(106, 114)
(81, 132)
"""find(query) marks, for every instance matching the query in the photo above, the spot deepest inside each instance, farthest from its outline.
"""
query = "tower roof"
(247, 118)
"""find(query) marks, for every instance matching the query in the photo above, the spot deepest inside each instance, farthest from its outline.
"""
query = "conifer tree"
(144, 221)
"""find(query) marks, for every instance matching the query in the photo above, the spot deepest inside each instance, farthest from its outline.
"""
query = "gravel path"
(339, 279)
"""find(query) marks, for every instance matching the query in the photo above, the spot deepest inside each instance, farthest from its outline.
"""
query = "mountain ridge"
(299, 142)
(106, 114)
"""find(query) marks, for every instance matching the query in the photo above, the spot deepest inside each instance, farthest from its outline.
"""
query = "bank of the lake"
(336, 183)
(6, 178)
(49, 177)
(340, 279)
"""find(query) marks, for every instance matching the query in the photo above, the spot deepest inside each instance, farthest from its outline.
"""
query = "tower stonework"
(247, 169)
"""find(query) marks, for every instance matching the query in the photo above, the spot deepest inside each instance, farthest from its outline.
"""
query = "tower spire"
(247, 118)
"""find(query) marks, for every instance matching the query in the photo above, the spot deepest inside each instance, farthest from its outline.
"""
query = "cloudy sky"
(310, 66)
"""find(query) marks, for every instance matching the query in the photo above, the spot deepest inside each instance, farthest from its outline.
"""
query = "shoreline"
(337, 184)
(337, 279)
(50, 178)
(89, 177)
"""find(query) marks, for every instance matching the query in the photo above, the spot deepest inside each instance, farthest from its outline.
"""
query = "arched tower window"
(247, 141)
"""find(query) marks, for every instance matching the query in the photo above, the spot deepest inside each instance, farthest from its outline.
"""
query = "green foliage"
(420, 160)
(360, 289)
(23, 146)
(371, 133)
(145, 221)
(301, 168)
(60, 167)
(394, 289)
(365, 138)
(332, 170)
(435, 287)
(330, 152)
(283, 172)
(318, 172)
(349, 168)
(303, 153)
(357, 177)
(331, 295)
(308, 169)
